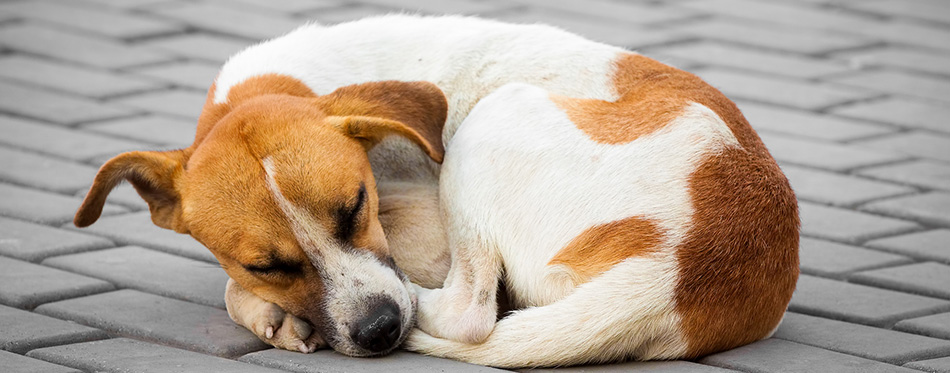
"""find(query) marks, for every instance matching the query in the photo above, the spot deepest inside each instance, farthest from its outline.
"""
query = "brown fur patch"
(600, 247)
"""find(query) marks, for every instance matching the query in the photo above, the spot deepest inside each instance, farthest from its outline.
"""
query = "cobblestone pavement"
(851, 96)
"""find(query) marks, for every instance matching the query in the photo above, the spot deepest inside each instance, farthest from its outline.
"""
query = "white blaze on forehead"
(353, 278)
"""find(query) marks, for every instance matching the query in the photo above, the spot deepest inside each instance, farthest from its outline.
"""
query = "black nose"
(380, 330)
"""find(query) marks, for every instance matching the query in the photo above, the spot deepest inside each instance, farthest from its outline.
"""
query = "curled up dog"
(369, 184)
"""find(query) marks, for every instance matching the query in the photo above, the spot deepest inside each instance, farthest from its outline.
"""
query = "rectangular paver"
(155, 129)
(33, 242)
(44, 172)
(858, 303)
(929, 278)
(836, 189)
(181, 103)
(937, 326)
(164, 320)
(929, 245)
(830, 259)
(137, 229)
(42, 207)
(860, 340)
(901, 111)
(61, 142)
(916, 143)
(846, 225)
(24, 331)
(471, 7)
(26, 285)
(754, 60)
(73, 79)
(73, 46)
(229, 20)
(100, 21)
(826, 155)
(932, 208)
(922, 173)
(903, 58)
(126, 355)
(792, 14)
(783, 91)
(150, 271)
(201, 46)
(780, 356)
(780, 37)
(55, 107)
(189, 74)
(939, 365)
(808, 124)
(605, 31)
(13, 363)
(330, 361)
(899, 82)
(677, 366)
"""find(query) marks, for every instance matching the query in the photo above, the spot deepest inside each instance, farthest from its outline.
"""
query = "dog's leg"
(465, 308)
(269, 322)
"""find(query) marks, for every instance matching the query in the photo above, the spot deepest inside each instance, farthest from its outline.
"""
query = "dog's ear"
(371, 111)
(153, 174)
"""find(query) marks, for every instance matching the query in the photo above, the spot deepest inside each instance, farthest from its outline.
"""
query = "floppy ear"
(154, 176)
(372, 111)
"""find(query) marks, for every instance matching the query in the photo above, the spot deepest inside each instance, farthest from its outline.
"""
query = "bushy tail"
(627, 313)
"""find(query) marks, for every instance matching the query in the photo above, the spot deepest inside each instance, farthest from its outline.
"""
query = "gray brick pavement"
(14, 363)
(849, 96)
(26, 285)
(327, 360)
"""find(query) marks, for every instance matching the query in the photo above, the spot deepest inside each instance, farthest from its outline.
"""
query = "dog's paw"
(283, 330)
(443, 314)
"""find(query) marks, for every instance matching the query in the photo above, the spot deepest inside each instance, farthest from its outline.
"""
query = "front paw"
(282, 330)
(446, 313)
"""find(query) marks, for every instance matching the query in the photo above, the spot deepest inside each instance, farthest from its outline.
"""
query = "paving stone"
(14, 363)
(785, 13)
(163, 320)
(199, 46)
(605, 31)
(908, 33)
(846, 225)
(190, 74)
(905, 58)
(26, 285)
(808, 124)
(921, 173)
(229, 20)
(76, 47)
(137, 229)
(470, 7)
(42, 207)
(929, 245)
(936, 11)
(61, 142)
(930, 279)
(345, 13)
(837, 189)
(829, 259)
(330, 361)
(43, 172)
(678, 366)
(132, 4)
(24, 331)
(624, 12)
(933, 207)
(33, 242)
(791, 39)
(283, 6)
(860, 340)
(82, 81)
(780, 356)
(900, 111)
(826, 155)
(126, 355)
(916, 143)
(150, 271)
(899, 82)
(101, 21)
(858, 303)
(55, 107)
(937, 326)
(754, 60)
(181, 103)
(940, 365)
(155, 129)
(782, 91)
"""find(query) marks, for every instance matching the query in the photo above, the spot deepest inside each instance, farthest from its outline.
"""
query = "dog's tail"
(622, 314)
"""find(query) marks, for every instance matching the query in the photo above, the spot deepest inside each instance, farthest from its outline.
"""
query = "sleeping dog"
(627, 206)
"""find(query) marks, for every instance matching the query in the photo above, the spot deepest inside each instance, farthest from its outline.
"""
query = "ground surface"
(852, 98)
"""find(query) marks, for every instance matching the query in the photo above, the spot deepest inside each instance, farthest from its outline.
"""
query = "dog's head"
(279, 188)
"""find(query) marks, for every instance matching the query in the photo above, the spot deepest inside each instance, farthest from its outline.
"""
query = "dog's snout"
(380, 330)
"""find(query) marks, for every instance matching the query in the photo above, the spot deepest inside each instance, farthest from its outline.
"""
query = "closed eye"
(347, 217)
(276, 266)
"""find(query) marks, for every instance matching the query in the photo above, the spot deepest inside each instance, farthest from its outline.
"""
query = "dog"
(371, 184)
